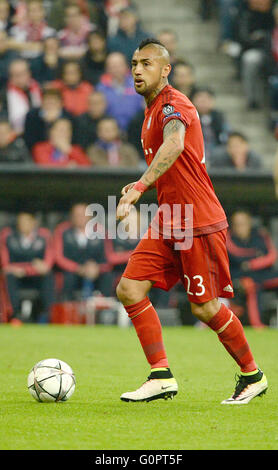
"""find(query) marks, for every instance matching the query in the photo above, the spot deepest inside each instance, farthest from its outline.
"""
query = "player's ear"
(166, 70)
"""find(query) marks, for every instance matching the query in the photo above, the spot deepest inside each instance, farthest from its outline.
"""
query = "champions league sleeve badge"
(168, 109)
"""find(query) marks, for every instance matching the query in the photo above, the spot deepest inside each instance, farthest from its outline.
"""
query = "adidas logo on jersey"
(228, 288)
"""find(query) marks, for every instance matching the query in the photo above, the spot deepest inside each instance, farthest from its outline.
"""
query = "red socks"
(148, 329)
(231, 334)
(227, 326)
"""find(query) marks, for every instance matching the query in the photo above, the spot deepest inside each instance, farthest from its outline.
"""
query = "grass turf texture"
(108, 361)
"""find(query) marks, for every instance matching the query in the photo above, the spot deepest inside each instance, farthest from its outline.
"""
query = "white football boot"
(154, 388)
(247, 388)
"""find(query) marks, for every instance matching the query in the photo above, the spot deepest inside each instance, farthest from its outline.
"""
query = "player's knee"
(124, 291)
(130, 291)
(204, 312)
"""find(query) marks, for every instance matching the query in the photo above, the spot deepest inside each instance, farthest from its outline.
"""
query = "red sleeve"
(115, 258)
(49, 252)
(238, 251)
(57, 84)
(4, 252)
(41, 153)
(179, 111)
(79, 156)
(64, 263)
(105, 267)
(267, 260)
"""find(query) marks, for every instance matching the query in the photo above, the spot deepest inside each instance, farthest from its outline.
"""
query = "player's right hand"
(126, 203)
(127, 188)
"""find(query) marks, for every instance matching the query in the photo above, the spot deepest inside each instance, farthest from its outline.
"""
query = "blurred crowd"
(79, 259)
(66, 91)
(248, 33)
(72, 262)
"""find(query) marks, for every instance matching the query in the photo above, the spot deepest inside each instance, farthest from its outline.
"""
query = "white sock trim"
(226, 324)
(148, 306)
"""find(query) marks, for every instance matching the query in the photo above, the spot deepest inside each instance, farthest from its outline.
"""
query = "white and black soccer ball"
(51, 380)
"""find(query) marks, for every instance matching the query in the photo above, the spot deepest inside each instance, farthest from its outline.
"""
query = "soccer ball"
(51, 380)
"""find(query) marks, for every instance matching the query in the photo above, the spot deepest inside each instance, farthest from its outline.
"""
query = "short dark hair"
(53, 124)
(53, 92)
(241, 210)
(70, 62)
(204, 89)
(107, 118)
(183, 63)
(27, 211)
(97, 32)
(4, 120)
(237, 134)
(150, 41)
(74, 5)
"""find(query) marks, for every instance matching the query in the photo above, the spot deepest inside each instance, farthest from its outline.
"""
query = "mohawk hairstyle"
(148, 41)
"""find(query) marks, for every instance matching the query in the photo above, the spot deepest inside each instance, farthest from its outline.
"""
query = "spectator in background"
(214, 124)
(3, 108)
(93, 63)
(275, 174)
(98, 15)
(273, 79)
(112, 10)
(75, 91)
(22, 93)
(255, 26)
(18, 11)
(109, 150)
(229, 11)
(89, 9)
(118, 87)
(74, 37)
(206, 8)
(183, 78)
(83, 260)
(86, 124)
(129, 34)
(40, 119)
(6, 57)
(169, 39)
(252, 257)
(5, 19)
(134, 130)
(58, 151)
(26, 38)
(45, 68)
(27, 260)
(12, 148)
(236, 155)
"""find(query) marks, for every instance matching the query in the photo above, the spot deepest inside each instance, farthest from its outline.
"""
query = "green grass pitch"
(108, 361)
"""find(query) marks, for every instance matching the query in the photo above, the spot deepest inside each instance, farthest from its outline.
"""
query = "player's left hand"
(126, 202)
(127, 188)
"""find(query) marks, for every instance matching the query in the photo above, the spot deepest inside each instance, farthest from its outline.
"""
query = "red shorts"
(203, 269)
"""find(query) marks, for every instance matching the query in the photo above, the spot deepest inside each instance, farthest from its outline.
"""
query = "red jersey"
(187, 180)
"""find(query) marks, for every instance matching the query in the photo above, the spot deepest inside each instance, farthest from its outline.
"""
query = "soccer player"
(173, 145)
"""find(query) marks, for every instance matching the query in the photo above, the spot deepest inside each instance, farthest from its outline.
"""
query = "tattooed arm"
(168, 152)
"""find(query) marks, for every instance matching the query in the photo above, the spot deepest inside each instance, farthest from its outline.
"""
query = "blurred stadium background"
(70, 136)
